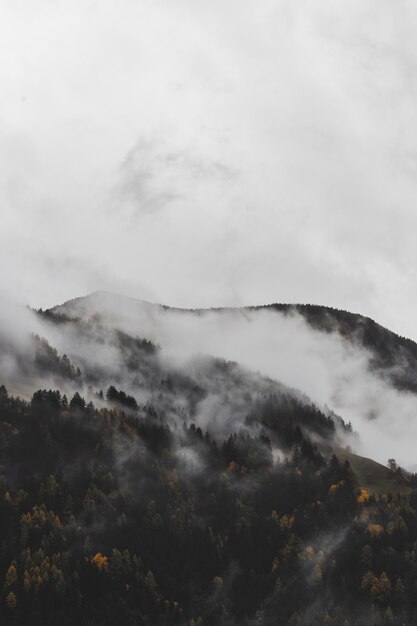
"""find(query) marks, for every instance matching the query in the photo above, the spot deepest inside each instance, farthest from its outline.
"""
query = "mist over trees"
(113, 517)
(208, 217)
(142, 486)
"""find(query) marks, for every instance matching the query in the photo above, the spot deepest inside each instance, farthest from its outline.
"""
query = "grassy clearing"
(373, 476)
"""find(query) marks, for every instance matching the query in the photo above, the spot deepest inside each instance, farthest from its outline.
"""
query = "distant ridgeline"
(393, 357)
(133, 514)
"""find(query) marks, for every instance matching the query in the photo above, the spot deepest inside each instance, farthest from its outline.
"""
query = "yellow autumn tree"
(100, 561)
(286, 522)
(374, 530)
(363, 497)
(11, 576)
(11, 601)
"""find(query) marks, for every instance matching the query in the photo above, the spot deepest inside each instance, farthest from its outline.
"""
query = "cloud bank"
(198, 155)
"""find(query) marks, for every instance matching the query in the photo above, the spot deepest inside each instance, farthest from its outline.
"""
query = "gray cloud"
(153, 177)
(279, 166)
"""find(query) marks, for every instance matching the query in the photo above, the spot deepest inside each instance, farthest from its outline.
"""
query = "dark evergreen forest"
(116, 516)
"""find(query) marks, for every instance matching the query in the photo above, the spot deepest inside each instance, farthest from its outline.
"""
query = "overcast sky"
(211, 153)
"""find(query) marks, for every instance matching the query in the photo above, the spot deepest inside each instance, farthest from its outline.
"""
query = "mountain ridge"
(393, 356)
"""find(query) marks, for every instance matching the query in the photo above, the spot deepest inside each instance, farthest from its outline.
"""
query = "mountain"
(392, 357)
(141, 347)
(164, 466)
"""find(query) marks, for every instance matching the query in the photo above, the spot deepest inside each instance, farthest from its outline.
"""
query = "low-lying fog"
(328, 369)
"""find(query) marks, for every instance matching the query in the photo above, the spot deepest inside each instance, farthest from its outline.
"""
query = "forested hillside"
(115, 517)
(392, 357)
(143, 484)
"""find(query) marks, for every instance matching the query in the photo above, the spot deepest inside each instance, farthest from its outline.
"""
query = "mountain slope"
(392, 357)
(215, 393)
(161, 482)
